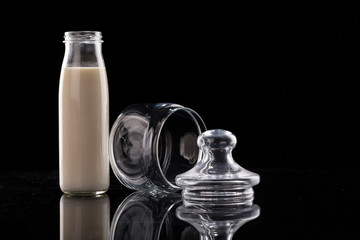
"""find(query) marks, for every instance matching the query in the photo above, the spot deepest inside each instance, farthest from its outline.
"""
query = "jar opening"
(83, 36)
(177, 149)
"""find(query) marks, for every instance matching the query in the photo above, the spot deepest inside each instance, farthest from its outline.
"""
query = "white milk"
(83, 130)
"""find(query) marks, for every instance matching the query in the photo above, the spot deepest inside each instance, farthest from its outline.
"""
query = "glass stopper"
(217, 179)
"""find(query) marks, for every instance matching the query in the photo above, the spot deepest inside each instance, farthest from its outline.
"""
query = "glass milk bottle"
(83, 116)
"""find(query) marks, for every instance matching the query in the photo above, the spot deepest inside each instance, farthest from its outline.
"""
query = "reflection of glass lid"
(218, 222)
(217, 179)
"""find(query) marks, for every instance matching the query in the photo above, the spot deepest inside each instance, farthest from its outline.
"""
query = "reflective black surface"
(292, 204)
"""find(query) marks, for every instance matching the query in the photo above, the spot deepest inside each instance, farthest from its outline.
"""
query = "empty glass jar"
(150, 144)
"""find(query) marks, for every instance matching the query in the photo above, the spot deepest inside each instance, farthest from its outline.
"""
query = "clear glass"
(217, 223)
(147, 216)
(144, 216)
(216, 179)
(83, 116)
(83, 49)
(150, 144)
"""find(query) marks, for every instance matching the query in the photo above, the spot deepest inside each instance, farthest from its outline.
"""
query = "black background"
(282, 76)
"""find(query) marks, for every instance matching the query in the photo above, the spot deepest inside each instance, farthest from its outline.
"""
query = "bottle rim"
(83, 36)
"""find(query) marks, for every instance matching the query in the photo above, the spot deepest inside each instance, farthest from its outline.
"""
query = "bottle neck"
(83, 54)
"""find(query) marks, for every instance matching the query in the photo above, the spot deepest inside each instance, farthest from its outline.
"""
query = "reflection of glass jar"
(84, 218)
(150, 144)
(145, 217)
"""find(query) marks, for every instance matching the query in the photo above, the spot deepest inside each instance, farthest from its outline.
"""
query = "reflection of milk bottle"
(83, 116)
(84, 218)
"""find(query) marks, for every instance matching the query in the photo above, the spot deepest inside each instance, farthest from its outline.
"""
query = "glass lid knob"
(217, 179)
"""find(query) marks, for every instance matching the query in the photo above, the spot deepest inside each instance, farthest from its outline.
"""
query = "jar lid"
(217, 179)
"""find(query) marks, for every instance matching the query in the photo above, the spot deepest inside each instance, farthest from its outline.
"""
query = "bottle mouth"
(83, 36)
